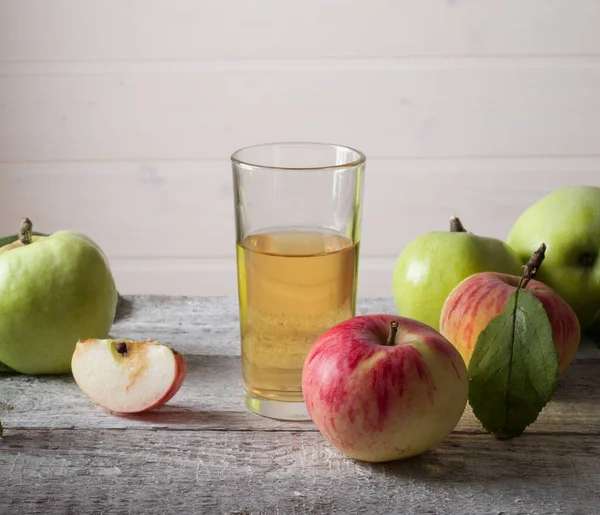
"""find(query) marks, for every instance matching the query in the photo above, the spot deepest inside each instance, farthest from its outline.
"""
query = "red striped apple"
(127, 376)
(383, 387)
(479, 298)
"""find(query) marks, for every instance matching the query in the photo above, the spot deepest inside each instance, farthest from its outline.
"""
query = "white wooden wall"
(117, 117)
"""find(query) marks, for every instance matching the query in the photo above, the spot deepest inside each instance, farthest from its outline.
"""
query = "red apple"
(127, 376)
(383, 387)
(479, 298)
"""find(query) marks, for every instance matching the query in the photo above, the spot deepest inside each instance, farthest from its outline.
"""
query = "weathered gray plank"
(206, 331)
(204, 325)
(210, 325)
(102, 471)
(211, 398)
(205, 453)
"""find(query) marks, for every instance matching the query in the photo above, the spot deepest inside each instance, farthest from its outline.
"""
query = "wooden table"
(205, 453)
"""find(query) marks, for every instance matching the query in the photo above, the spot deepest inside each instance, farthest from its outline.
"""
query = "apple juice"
(293, 286)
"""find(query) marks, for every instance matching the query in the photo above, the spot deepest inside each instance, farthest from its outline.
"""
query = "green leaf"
(513, 371)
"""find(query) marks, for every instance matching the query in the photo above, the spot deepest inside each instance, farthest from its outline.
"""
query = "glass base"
(279, 410)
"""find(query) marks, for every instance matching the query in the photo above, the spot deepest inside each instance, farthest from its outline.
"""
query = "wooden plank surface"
(206, 331)
(186, 29)
(151, 251)
(206, 110)
(211, 398)
(149, 201)
(238, 472)
(205, 453)
(140, 103)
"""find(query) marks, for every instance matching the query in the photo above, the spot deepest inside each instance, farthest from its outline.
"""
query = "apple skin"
(481, 297)
(53, 292)
(376, 402)
(568, 222)
(431, 266)
(181, 373)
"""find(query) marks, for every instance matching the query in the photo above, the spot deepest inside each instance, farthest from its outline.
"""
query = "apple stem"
(25, 231)
(532, 266)
(122, 348)
(456, 225)
(392, 335)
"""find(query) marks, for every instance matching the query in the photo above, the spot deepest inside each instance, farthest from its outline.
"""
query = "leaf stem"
(529, 271)
(532, 266)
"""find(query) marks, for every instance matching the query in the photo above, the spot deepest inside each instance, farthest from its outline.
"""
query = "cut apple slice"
(127, 376)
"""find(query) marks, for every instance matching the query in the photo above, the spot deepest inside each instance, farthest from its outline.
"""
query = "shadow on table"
(183, 416)
(481, 459)
(580, 383)
(124, 308)
(172, 416)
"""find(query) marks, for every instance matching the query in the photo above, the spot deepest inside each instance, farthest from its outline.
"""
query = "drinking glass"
(297, 219)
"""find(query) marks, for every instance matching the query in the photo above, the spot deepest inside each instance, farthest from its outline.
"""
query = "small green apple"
(433, 264)
(568, 222)
(54, 291)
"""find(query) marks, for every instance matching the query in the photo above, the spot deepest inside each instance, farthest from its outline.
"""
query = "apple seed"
(122, 348)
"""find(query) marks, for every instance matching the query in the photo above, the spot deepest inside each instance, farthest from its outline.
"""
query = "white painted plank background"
(117, 118)
(34, 30)
(204, 111)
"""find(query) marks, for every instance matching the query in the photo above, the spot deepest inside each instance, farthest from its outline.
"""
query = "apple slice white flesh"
(127, 376)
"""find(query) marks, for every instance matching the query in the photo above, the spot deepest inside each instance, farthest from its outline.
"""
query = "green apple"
(433, 264)
(568, 222)
(54, 291)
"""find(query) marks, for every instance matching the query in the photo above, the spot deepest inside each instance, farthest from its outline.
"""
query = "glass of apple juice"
(297, 219)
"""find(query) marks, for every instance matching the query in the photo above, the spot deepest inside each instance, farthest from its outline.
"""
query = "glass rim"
(361, 159)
